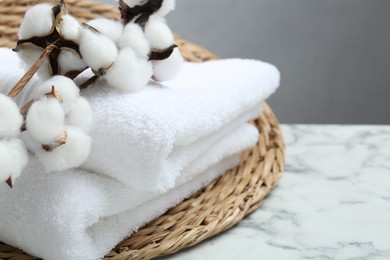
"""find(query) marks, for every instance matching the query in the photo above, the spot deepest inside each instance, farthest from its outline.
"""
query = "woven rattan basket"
(221, 205)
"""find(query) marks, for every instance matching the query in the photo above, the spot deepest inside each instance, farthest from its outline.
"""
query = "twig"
(31, 72)
(74, 73)
(88, 82)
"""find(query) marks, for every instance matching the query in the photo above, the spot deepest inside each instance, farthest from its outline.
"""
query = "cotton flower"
(110, 28)
(10, 118)
(45, 120)
(133, 36)
(64, 35)
(80, 115)
(97, 50)
(158, 33)
(69, 155)
(13, 158)
(167, 69)
(37, 21)
(66, 88)
(129, 73)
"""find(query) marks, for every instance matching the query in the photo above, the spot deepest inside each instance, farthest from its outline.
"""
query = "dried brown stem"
(91, 28)
(74, 73)
(31, 72)
(53, 93)
(26, 107)
(88, 82)
(24, 110)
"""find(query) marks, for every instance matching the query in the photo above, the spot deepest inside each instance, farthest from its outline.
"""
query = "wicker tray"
(221, 205)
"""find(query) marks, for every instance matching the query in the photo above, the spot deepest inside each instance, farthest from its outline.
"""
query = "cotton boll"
(37, 21)
(133, 36)
(66, 88)
(45, 120)
(97, 50)
(167, 6)
(80, 115)
(69, 155)
(29, 56)
(110, 28)
(10, 118)
(70, 28)
(158, 33)
(13, 158)
(167, 69)
(129, 73)
(70, 61)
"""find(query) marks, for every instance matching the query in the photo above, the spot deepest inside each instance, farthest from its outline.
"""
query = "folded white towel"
(239, 140)
(162, 144)
(82, 215)
(157, 133)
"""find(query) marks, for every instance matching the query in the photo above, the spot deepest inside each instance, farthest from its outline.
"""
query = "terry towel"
(163, 130)
(78, 214)
(151, 149)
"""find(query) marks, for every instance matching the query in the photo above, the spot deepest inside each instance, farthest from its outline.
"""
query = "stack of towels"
(151, 149)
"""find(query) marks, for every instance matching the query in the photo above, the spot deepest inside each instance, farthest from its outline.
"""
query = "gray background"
(334, 55)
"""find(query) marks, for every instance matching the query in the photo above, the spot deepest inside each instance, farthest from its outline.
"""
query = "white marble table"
(332, 203)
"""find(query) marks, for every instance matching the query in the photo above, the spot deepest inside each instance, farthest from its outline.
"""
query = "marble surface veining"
(333, 201)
